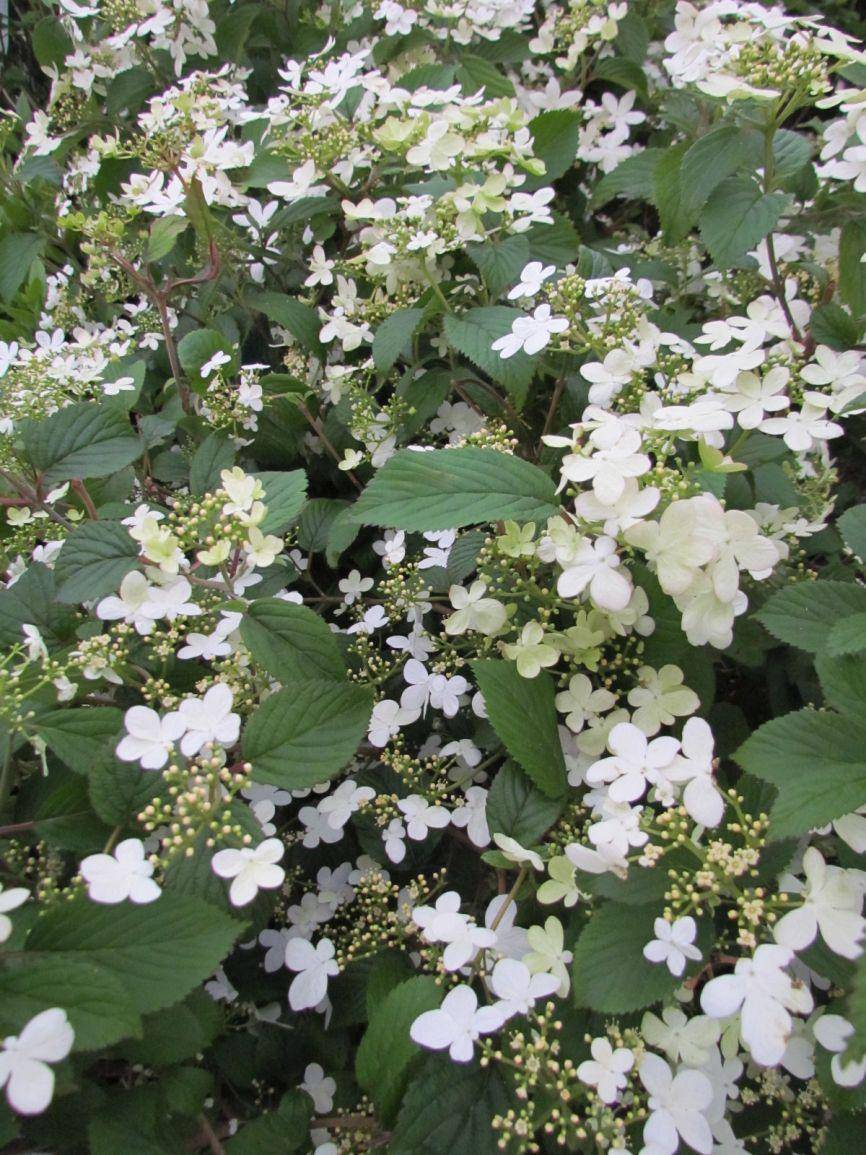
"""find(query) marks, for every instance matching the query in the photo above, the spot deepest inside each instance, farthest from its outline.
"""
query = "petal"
(30, 1087)
(723, 996)
(434, 1029)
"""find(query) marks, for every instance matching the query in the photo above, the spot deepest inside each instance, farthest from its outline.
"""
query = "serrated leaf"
(18, 251)
(448, 1109)
(319, 515)
(736, 217)
(555, 136)
(473, 333)
(80, 735)
(179, 1032)
(633, 178)
(196, 349)
(291, 642)
(516, 808)
(285, 494)
(120, 790)
(817, 764)
(611, 975)
(523, 714)
(393, 335)
(300, 320)
(478, 75)
(843, 683)
(306, 732)
(453, 488)
(803, 614)
(386, 1049)
(500, 263)
(81, 441)
(158, 951)
(847, 636)
(852, 270)
(163, 235)
(95, 559)
(710, 160)
(31, 601)
(279, 1132)
(216, 453)
(852, 526)
(95, 1000)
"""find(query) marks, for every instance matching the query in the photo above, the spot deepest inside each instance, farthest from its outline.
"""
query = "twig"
(317, 427)
(211, 1136)
(86, 500)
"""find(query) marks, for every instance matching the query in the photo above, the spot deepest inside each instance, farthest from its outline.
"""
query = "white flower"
(319, 1087)
(214, 363)
(422, 816)
(354, 586)
(678, 1105)
(517, 988)
(474, 611)
(473, 815)
(595, 566)
(514, 852)
(315, 965)
(387, 719)
(345, 801)
(9, 900)
(444, 923)
(833, 1033)
(832, 902)
(125, 874)
(531, 334)
(607, 1070)
(660, 698)
(209, 719)
(251, 869)
(673, 943)
(24, 1059)
(149, 738)
(456, 1024)
(635, 762)
(531, 279)
(690, 1041)
(580, 701)
(548, 954)
(680, 542)
(694, 766)
(764, 994)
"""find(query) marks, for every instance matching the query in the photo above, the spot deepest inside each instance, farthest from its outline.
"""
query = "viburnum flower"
(531, 279)
(354, 586)
(595, 566)
(607, 1070)
(660, 698)
(473, 611)
(677, 544)
(832, 904)
(24, 1058)
(472, 815)
(511, 849)
(683, 1040)
(9, 900)
(124, 874)
(833, 1033)
(765, 995)
(517, 988)
(209, 719)
(635, 763)
(149, 738)
(251, 869)
(320, 1087)
(673, 943)
(387, 719)
(315, 965)
(457, 1024)
(422, 816)
(694, 766)
(547, 953)
(581, 701)
(530, 652)
(444, 923)
(531, 334)
(678, 1104)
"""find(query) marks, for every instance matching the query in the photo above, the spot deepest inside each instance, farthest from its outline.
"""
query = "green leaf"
(95, 559)
(18, 251)
(473, 333)
(319, 516)
(843, 683)
(159, 951)
(791, 152)
(81, 441)
(817, 764)
(668, 196)
(736, 217)
(50, 43)
(279, 1132)
(448, 1109)
(453, 488)
(386, 1050)
(611, 975)
(852, 526)
(476, 74)
(196, 349)
(555, 136)
(852, 271)
(306, 732)
(803, 614)
(500, 263)
(393, 335)
(30, 601)
(291, 642)
(709, 161)
(847, 636)
(342, 531)
(633, 178)
(285, 494)
(120, 790)
(163, 235)
(516, 808)
(216, 453)
(96, 1001)
(300, 320)
(176, 1033)
(80, 735)
(523, 714)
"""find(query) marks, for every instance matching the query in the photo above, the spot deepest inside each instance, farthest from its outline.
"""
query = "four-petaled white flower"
(832, 902)
(607, 1070)
(457, 1024)
(678, 1104)
(315, 965)
(209, 719)
(531, 279)
(517, 988)
(149, 738)
(125, 874)
(24, 1059)
(673, 943)
(531, 334)
(422, 816)
(251, 869)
